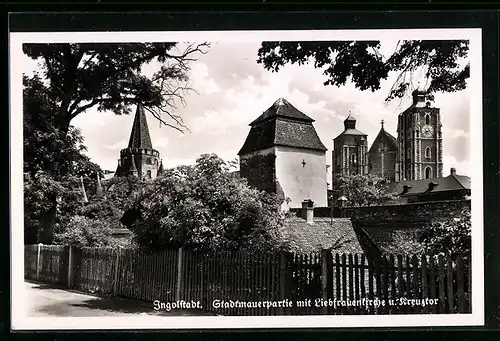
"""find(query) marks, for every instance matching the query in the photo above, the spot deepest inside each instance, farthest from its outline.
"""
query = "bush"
(450, 236)
(204, 206)
(82, 231)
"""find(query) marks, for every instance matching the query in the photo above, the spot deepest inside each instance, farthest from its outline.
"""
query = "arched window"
(149, 174)
(428, 172)
(353, 159)
(427, 119)
(427, 152)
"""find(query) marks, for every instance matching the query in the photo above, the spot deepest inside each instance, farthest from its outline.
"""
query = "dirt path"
(44, 300)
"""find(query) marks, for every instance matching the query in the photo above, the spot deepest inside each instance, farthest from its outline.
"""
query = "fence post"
(70, 266)
(38, 249)
(180, 276)
(115, 277)
(284, 278)
(326, 277)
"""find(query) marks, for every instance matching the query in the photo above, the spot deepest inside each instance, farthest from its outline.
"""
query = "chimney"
(308, 211)
(453, 171)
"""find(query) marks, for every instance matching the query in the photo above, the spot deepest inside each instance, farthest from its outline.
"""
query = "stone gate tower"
(139, 158)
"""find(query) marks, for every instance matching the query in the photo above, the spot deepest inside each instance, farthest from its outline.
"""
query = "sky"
(232, 89)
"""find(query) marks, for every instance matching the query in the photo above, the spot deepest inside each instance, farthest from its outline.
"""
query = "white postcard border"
(18, 299)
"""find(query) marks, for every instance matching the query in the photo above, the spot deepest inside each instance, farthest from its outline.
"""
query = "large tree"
(109, 77)
(76, 77)
(362, 63)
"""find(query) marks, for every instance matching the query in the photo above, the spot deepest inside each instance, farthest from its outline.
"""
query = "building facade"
(349, 155)
(283, 154)
(383, 156)
(420, 144)
(139, 158)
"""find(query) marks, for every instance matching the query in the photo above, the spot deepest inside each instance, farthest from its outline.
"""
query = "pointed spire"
(133, 167)
(160, 169)
(139, 137)
(99, 191)
(82, 189)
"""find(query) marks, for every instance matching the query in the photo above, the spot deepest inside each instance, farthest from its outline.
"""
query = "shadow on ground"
(64, 301)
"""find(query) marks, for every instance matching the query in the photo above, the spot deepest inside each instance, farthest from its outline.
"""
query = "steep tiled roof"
(385, 138)
(282, 108)
(278, 129)
(300, 236)
(139, 137)
(452, 182)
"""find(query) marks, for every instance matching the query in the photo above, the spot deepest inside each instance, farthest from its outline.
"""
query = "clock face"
(427, 131)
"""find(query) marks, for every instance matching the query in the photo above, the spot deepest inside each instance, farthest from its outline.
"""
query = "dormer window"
(406, 188)
(432, 185)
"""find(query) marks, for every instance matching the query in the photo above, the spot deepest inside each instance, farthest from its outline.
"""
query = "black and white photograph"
(246, 179)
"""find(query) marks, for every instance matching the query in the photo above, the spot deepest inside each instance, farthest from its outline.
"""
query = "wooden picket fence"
(249, 284)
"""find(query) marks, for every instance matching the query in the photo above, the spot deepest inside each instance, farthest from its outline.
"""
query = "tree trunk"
(47, 223)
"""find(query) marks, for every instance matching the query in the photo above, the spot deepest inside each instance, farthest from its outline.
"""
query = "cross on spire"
(382, 123)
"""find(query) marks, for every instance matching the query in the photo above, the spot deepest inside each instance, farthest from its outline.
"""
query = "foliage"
(109, 77)
(48, 203)
(121, 190)
(204, 206)
(82, 231)
(449, 236)
(104, 211)
(363, 63)
(44, 148)
(364, 190)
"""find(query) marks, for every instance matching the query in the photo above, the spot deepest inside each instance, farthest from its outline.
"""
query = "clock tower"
(420, 142)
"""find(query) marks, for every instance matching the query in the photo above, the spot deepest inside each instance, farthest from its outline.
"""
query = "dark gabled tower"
(283, 154)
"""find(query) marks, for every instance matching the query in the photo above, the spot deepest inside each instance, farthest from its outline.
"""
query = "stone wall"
(411, 213)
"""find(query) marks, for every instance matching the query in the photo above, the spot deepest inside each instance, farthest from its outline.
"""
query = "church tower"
(139, 158)
(349, 155)
(420, 140)
(382, 156)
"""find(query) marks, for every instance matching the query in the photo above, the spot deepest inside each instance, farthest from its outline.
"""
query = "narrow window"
(428, 172)
(427, 119)
(353, 158)
(149, 174)
(428, 152)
